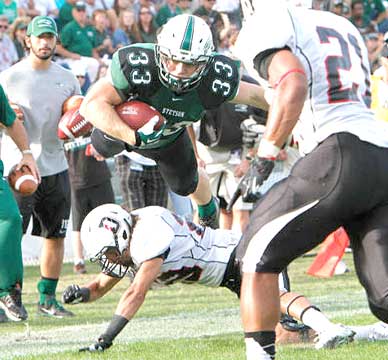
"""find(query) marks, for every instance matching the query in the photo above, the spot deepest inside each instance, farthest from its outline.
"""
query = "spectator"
(337, 7)
(8, 53)
(78, 42)
(120, 5)
(104, 45)
(66, 13)
(230, 8)
(360, 20)
(40, 87)
(147, 26)
(186, 6)
(11, 261)
(374, 44)
(9, 8)
(375, 11)
(128, 31)
(18, 34)
(138, 4)
(212, 17)
(34, 8)
(167, 11)
(90, 187)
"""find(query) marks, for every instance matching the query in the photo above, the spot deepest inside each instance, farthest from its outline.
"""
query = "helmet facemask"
(186, 39)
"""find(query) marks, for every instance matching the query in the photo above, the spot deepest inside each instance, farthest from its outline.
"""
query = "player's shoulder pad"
(139, 67)
(220, 82)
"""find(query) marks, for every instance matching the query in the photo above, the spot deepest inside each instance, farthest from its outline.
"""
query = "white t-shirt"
(322, 41)
(40, 94)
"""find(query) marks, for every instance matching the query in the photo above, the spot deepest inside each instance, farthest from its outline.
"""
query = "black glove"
(251, 132)
(73, 294)
(100, 346)
(250, 183)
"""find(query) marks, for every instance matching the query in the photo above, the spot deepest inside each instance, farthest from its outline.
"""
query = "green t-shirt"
(65, 15)
(10, 11)
(134, 72)
(7, 116)
(372, 8)
(165, 13)
(77, 39)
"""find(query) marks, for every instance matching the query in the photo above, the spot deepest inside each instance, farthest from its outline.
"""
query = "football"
(72, 102)
(137, 113)
(22, 180)
(72, 125)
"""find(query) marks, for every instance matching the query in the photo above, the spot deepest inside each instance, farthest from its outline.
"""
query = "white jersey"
(324, 43)
(191, 252)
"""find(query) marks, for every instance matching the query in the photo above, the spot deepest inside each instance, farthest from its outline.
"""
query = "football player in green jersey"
(181, 77)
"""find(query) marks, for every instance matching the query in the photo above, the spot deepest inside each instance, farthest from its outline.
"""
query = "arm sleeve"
(7, 115)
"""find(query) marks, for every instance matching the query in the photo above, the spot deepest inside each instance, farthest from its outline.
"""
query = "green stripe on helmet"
(187, 40)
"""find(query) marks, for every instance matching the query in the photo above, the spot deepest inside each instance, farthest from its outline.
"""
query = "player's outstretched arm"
(251, 94)
(98, 108)
(97, 288)
(129, 304)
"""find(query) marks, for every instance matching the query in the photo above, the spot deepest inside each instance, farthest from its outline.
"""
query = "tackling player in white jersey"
(314, 67)
(159, 245)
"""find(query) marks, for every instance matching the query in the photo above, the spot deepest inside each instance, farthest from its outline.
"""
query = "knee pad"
(379, 308)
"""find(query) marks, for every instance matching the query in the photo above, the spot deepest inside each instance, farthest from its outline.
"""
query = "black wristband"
(117, 324)
(85, 294)
(138, 139)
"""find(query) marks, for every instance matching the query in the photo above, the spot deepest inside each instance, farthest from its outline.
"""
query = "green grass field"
(181, 322)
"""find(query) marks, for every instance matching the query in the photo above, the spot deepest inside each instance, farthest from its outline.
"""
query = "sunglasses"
(5, 27)
(145, 12)
(80, 77)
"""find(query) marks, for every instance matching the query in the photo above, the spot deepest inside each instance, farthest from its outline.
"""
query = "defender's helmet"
(105, 235)
(188, 39)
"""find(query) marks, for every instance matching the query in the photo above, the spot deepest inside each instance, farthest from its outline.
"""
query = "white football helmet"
(105, 235)
(188, 39)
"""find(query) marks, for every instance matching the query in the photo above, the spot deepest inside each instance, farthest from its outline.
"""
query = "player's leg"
(178, 166)
(11, 263)
(79, 204)
(329, 335)
(291, 219)
(155, 192)
(370, 251)
(51, 212)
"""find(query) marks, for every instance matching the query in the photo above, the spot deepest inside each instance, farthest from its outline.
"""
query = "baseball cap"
(80, 5)
(40, 25)
(338, 2)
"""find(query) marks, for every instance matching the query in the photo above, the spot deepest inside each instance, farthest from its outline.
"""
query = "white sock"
(316, 320)
(79, 261)
(254, 351)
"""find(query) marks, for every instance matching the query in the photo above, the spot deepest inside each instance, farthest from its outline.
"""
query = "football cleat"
(212, 220)
(53, 308)
(13, 307)
(333, 337)
(79, 269)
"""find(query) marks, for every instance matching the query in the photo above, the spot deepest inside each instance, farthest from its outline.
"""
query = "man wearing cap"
(8, 54)
(79, 42)
(40, 87)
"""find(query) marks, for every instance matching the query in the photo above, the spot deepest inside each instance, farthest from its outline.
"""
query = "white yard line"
(56, 340)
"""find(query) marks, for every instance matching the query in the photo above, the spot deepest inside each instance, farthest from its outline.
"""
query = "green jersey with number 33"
(135, 74)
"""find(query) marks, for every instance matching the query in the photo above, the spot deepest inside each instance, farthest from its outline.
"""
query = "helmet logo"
(188, 35)
(110, 224)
